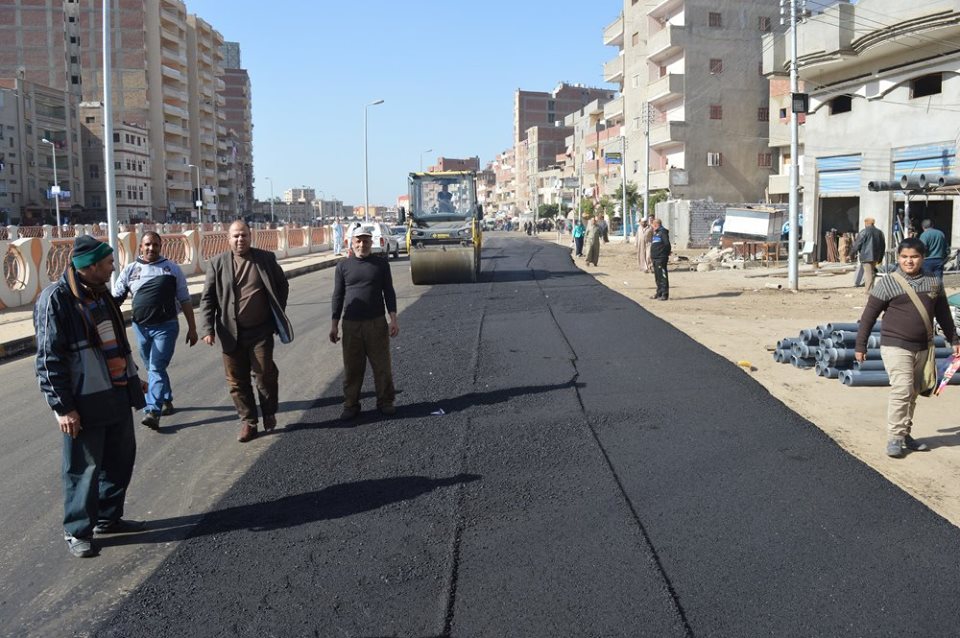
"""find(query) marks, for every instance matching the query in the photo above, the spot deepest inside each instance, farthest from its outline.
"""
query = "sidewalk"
(16, 325)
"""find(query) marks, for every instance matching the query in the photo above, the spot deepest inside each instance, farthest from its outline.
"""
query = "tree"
(586, 207)
(633, 196)
(607, 206)
(547, 211)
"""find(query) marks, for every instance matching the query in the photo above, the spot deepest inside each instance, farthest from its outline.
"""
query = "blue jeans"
(97, 466)
(933, 266)
(156, 344)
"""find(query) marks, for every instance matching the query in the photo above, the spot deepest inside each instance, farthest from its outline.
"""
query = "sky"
(447, 72)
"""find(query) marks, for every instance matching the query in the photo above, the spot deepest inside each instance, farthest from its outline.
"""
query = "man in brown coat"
(243, 303)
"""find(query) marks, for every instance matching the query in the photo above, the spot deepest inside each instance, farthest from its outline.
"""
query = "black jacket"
(660, 244)
(71, 370)
(870, 245)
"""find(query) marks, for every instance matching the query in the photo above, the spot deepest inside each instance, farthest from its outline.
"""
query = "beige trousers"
(903, 367)
(869, 275)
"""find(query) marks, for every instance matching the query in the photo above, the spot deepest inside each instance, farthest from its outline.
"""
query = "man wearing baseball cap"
(362, 287)
(87, 375)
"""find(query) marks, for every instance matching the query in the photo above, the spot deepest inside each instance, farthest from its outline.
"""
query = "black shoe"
(269, 422)
(167, 409)
(387, 409)
(663, 298)
(119, 526)
(656, 297)
(349, 414)
(151, 420)
(910, 443)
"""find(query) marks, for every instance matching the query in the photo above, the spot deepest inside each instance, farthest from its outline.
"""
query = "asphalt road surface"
(593, 472)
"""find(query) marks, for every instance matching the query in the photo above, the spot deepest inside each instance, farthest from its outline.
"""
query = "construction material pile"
(829, 349)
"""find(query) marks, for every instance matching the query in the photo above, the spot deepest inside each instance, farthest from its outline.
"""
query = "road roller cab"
(444, 234)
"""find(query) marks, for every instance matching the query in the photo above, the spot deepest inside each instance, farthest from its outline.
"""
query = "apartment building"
(590, 140)
(456, 164)
(534, 112)
(238, 119)
(505, 193)
(167, 75)
(692, 68)
(883, 82)
(39, 149)
(302, 194)
(131, 164)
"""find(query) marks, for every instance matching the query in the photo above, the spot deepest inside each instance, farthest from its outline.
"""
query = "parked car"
(384, 243)
(400, 233)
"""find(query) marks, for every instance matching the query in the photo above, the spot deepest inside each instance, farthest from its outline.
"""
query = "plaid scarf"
(103, 323)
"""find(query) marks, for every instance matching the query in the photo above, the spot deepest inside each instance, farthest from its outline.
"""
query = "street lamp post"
(199, 201)
(321, 206)
(55, 190)
(366, 173)
(429, 150)
(271, 199)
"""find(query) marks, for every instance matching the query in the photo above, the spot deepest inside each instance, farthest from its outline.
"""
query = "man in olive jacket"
(243, 303)
(870, 245)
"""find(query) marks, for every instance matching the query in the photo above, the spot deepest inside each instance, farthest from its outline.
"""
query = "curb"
(23, 346)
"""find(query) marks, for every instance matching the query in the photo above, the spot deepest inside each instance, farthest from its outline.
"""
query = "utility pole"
(625, 215)
(647, 116)
(793, 253)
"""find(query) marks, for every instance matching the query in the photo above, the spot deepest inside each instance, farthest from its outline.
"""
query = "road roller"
(444, 231)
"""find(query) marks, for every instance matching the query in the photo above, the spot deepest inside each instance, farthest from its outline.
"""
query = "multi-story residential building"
(302, 194)
(883, 96)
(131, 163)
(327, 209)
(208, 134)
(456, 164)
(164, 65)
(692, 67)
(38, 137)
(504, 167)
(486, 189)
(238, 119)
(591, 138)
(543, 110)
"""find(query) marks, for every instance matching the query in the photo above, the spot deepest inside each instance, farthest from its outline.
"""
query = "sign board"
(199, 203)
(59, 194)
(55, 189)
(613, 158)
(570, 182)
(756, 223)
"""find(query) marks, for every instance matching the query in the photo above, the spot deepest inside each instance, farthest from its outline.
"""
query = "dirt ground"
(740, 315)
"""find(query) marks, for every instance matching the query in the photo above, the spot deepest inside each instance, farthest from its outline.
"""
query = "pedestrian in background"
(87, 375)
(362, 287)
(592, 242)
(578, 232)
(936, 243)
(159, 292)
(604, 229)
(337, 236)
(908, 299)
(660, 250)
(870, 245)
(644, 235)
(243, 304)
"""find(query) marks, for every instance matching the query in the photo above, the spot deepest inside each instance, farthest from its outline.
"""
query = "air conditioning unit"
(714, 159)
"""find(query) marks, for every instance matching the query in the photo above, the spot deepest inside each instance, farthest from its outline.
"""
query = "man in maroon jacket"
(904, 338)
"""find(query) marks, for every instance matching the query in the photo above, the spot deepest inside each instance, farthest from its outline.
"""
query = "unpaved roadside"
(736, 314)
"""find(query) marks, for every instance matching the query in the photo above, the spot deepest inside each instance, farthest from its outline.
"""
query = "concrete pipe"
(786, 343)
(869, 366)
(837, 355)
(852, 327)
(879, 185)
(948, 180)
(801, 362)
(831, 373)
(807, 334)
(910, 183)
(874, 341)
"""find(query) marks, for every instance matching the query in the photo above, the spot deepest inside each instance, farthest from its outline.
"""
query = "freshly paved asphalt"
(595, 472)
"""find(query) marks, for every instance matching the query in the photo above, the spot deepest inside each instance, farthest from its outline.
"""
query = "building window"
(94, 171)
(636, 81)
(764, 23)
(635, 39)
(95, 201)
(91, 119)
(714, 19)
(117, 166)
(716, 65)
(119, 194)
(763, 114)
(764, 160)
(714, 159)
(841, 104)
(783, 114)
(716, 112)
(927, 85)
(74, 79)
(116, 138)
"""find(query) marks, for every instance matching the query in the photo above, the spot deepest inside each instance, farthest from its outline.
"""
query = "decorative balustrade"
(35, 256)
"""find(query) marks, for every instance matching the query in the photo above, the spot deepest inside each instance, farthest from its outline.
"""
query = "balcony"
(668, 134)
(613, 34)
(173, 129)
(613, 70)
(667, 42)
(170, 72)
(170, 35)
(779, 184)
(666, 88)
(176, 111)
(668, 178)
(663, 7)
(613, 110)
(172, 93)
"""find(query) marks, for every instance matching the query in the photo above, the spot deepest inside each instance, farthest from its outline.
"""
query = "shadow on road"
(533, 274)
(336, 501)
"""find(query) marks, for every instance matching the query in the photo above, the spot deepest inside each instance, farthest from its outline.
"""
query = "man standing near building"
(870, 245)
(337, 236)
(660, 250)
(936, 243)
(159, 291)
(89, 379)
(362, 287)
(908, 299)
(243, 303)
